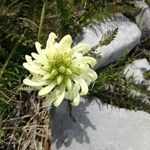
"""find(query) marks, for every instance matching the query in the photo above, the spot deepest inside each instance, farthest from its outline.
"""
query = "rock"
(143, 18)
(100, 127)
(127, 38)
(136, 70)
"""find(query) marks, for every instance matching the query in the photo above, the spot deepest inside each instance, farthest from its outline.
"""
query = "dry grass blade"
(30, 130)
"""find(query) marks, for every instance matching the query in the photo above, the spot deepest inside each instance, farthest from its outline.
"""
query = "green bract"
(60, 71)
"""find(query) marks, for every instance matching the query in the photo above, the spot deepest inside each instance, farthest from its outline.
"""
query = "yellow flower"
(60, 71)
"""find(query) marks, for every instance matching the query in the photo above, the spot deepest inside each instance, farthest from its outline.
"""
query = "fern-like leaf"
(108, 37)
(27, 89)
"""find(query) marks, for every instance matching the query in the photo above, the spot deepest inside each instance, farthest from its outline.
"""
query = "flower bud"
(61, 69)
(46, 68)
(68, 61)
(54, 72)
(59, 79)
(68, 72)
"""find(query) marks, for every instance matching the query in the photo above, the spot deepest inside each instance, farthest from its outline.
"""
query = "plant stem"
(41, 21)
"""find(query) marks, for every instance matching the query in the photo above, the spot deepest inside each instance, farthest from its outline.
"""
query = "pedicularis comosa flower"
(60, 71)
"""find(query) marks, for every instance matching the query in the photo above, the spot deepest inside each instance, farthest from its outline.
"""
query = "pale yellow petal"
(76, 100)
(34, 83)
(65, 43)
(59, 99)
(72, 93)
(54, 72)
(40, 58)
(34, 69)
(92, 74)
(28, 58)
(50, 98)
(86, 78)
(35, 56)
(56, 96)
(47, 76)
(83, 85)
(85, 60)
(69, 84)
(38, 47)
(47, 89)
(84, 48)
(77, 55)
(51, 40)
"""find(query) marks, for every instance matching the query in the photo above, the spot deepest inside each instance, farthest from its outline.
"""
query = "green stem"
(41, 21)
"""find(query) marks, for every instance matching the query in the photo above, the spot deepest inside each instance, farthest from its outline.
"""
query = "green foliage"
(147, 75)
(106, 39)
(62, 16)
(23, 19)
(12, 26)
(148, 2)
(102, 10)
(2, 133)
(112, 88)
(2, 53)
(65, 10)
(24, 22)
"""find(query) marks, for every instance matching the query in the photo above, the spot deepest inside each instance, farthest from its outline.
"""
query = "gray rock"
(136, 70)
(100, 127)
(126, 39)
(143, 18)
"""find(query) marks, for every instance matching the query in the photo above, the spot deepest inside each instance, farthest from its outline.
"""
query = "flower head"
(60, 71)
